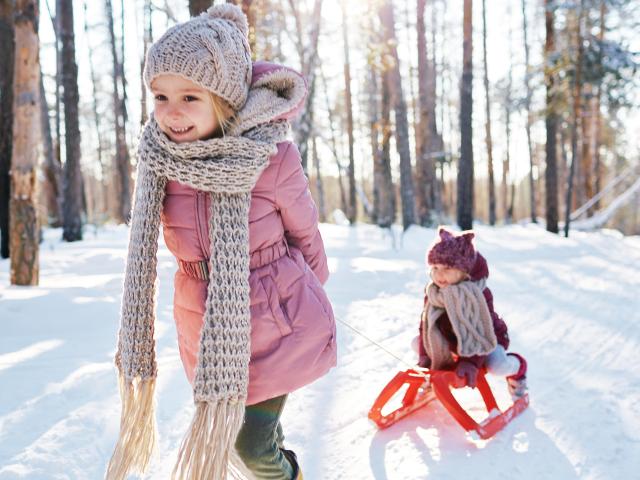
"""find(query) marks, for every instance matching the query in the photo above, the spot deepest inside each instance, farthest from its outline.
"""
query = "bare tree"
(383, 212)
(577, 115)
(123, 165)
(465, 164)
(333, 144)
(507, 194)
(50, 167)
(57, 138)
(436, 143)
(551, 121)
(96, 116)
(426, 132)
(394, 80)
(352, 210)
(597, 114)
(308, 54)
(529, 93)
(6, 117)
(492, 187)
(23, 228)
(322, 211)
(382, 167)
(72, 192)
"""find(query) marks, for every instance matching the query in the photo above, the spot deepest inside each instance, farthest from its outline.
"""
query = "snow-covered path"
(571, 305)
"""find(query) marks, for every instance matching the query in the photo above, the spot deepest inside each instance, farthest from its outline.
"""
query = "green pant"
(260, 440)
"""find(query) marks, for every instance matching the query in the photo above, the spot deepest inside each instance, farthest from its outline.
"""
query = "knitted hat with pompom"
(212, 50)
(453, 250)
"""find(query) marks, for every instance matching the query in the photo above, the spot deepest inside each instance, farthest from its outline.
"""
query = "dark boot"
(290, 455)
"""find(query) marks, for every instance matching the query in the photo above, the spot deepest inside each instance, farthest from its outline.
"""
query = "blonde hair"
(223, 112)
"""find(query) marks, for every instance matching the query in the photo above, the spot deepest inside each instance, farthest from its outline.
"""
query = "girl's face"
(444, 276)
(184, 111)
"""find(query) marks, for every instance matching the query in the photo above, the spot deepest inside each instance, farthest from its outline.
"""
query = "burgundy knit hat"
(453, 250)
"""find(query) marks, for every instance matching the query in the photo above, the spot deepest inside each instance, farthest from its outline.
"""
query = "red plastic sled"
(417, 395)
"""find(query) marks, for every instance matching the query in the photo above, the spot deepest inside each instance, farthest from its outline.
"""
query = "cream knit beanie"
(212, 50)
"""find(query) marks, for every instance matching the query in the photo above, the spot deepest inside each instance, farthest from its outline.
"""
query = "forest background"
(419, 112)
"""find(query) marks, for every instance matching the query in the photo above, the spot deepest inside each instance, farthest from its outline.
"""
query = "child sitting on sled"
(459, 329)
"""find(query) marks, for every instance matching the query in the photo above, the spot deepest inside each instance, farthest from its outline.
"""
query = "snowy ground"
(572, 307)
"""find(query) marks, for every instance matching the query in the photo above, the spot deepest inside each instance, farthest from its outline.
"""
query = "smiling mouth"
(180, 131)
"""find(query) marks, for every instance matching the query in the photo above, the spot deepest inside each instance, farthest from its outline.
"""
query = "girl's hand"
(468, 371)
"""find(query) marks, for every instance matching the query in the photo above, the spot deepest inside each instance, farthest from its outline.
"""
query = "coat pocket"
(279, 314)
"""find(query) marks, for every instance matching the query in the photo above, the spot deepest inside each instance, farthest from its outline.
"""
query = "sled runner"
(425, 385)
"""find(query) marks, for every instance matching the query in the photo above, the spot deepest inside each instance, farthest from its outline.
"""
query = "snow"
(572, 307)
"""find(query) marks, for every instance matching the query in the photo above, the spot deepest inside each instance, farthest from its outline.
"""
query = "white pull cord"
(381, 347)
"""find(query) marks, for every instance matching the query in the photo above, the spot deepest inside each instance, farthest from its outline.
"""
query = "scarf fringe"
(138, 433)
(208, 450)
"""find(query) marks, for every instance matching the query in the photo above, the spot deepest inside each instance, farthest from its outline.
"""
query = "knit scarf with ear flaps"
(227, 168)
(470, 319)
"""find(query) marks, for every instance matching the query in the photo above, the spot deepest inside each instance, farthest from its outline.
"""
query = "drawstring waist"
(259, 258)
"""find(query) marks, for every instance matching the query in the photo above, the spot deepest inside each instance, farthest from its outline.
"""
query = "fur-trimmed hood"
(276, 93)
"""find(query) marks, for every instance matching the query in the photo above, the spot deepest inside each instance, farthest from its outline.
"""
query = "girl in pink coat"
(209, 96)
(292, 324)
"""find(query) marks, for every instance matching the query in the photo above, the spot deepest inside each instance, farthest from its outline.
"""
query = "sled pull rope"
(377, 344)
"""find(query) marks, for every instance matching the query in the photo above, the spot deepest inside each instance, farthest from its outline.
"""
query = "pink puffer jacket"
(292, 323)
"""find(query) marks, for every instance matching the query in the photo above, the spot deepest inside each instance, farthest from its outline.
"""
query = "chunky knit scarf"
(227, 168)
(470, 319)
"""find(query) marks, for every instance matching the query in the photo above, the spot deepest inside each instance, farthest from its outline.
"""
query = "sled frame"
(442, 381)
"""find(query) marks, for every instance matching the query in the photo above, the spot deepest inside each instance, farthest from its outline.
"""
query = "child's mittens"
(468, 371)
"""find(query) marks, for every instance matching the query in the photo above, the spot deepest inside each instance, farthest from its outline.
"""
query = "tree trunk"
(308, 61)
(492, 187)
(123, 166)
(374, 123)
(585, 157)
(23, 228)
(465, 165)
(435, 146)
(57, 145)
(352, 211)
(598, 112)
(382, 168)
(334, 148)
(123, 78)
(50, 168)
(425, 131)
(6, 117)
(551, 170)
(529, 93)
(96, 119)
(401, 125)
(508, 194)
(196, 7)
(577, 114)
(72, 179)
(563, 175)
(322, 211)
